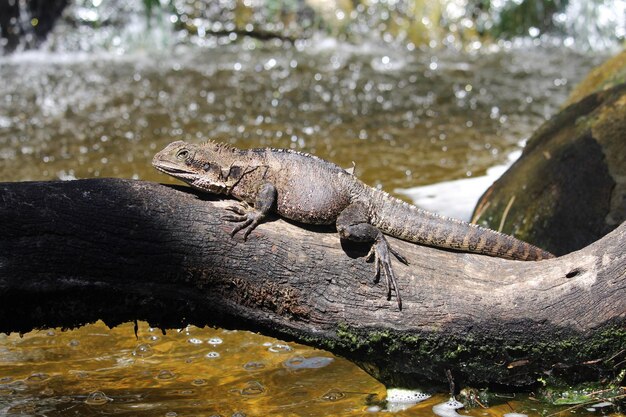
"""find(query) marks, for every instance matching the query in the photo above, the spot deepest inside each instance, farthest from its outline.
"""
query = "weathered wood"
(120, 250)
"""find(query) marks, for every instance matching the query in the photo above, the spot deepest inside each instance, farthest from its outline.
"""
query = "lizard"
(308, 189)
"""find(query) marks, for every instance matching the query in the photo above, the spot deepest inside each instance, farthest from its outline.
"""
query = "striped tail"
(407, 222)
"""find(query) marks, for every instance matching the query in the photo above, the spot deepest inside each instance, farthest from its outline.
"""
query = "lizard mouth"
(176, 172)
(190, 177)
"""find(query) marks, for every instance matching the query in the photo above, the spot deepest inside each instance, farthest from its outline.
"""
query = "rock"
(607, 75)
(568, 188)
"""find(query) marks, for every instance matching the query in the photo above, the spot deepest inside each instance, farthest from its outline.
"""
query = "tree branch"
(119, 250)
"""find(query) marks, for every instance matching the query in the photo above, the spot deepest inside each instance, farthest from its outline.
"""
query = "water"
(95, 370)
(406, 116)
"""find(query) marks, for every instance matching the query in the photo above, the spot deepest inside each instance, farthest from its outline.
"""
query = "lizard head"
(205, 167)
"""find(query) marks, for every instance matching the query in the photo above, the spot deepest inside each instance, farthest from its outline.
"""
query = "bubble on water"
(198, 382)
(166, 374)
(184, 392)
(81, 374)
(73, 343)
(97, 398)
(333, 395)
(215, 341)
(279, 348)
(195, 341)
(171, 414)
(253, 366)
(212, 355)
(253, 388)
(37, 377)
(143, 350)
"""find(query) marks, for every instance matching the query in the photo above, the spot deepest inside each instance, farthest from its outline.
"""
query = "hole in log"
(574, 272)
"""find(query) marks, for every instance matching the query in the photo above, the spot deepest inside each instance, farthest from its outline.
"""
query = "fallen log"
(120, 250)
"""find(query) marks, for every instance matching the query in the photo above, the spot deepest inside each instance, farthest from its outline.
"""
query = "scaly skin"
(308, 189)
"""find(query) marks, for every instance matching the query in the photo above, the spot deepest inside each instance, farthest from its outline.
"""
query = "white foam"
(402, 399)
(448, 409)
(397, 395)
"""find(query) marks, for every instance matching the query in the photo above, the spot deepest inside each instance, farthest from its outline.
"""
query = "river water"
(407, 117)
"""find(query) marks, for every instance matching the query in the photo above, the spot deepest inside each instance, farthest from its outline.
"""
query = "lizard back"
(309, 189)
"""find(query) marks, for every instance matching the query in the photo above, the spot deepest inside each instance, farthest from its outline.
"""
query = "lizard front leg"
(249, 218)
(353, 224)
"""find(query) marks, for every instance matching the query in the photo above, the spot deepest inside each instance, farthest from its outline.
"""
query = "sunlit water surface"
(405, 118)
(95, 370)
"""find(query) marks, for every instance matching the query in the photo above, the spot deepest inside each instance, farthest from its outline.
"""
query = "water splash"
(594, 24)
(121, 27)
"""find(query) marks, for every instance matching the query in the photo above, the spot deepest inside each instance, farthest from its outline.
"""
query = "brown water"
(191, 372)
(95, 370)
(405, 117)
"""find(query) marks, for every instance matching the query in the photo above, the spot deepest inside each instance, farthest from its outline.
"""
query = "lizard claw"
(247, 222)
(380, 252)
(237, 209)
(398, 255)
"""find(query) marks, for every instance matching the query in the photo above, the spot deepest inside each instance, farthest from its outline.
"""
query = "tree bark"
(119, 250)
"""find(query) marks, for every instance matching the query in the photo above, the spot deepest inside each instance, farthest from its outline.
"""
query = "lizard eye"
(182, 154)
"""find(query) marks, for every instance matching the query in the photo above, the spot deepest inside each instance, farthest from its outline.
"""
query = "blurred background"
(431, 99)
(415, 92)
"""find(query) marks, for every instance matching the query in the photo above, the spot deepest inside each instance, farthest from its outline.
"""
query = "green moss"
(611, 73)
(403, 359)
(580, 394)
(347, 338)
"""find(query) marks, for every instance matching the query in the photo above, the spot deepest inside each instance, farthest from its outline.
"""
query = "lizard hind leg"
(353, 224)
(380, 253)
